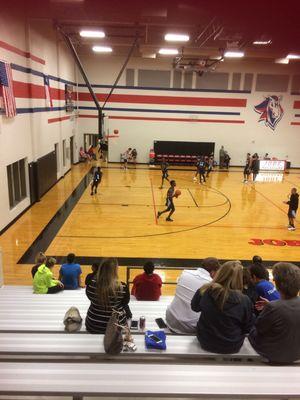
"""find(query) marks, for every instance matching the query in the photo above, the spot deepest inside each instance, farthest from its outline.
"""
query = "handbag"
(113, 338)
(72, 320)
(155, 340)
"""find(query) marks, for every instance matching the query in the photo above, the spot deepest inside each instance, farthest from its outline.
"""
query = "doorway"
(90, 139)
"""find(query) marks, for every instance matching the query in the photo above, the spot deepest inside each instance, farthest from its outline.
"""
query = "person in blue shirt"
(70, 273)
(264, 288)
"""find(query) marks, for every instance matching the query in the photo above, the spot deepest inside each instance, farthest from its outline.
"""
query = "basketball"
(177, 192)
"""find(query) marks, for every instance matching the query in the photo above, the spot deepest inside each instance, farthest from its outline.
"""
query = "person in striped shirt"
(106, 293)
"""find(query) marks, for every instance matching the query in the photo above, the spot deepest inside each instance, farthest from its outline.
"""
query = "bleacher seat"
(22, 310)
(149, 380)
(67, 346)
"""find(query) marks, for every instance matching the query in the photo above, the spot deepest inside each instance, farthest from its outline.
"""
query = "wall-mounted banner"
(69, 97)
(270, 111)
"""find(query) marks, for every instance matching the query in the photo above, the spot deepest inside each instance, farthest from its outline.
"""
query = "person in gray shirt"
(276, 333)
(221, 157)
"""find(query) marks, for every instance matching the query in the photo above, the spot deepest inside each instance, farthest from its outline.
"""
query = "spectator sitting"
(106, 293)
(226, 313)
(83, 155)
(70, 273)
(249, 288)
(91, 152)
(93, 274)
(43, 281)
(263, 287)
(258, 260)
(147, 286)
(39, 260)
(276, 333)
(179, 316)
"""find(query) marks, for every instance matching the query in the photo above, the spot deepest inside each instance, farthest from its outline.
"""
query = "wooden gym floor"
(224, 218)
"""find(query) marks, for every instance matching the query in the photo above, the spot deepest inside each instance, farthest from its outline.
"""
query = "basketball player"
(201, 166)
(293, 207)
(169, 202)
(96, 180)
(247, 168)
(210, 164)
(197, 162)
(165, 173)
(255, 166)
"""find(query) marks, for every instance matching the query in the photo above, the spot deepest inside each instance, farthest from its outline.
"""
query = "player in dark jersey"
(165, 173)
(169, 202)
(96, 180)
(255, 166)
(201, 167)
(293, 203)
(247, 170)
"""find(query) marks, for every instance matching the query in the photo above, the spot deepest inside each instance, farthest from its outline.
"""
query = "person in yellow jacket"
(43, 281)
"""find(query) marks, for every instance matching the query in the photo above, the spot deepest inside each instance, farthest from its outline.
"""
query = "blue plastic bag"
(151, 341)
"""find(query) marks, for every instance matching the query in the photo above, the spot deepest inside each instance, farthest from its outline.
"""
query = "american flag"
(6, 84)
(49, 101)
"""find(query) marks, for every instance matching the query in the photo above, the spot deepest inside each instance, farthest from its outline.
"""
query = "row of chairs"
(176, 158)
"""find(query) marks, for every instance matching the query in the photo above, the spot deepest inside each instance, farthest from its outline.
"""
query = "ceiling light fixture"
(168, 52)
(92, 34)
(176, 37)
(262, 42)
(102, 49)
(282, 61)
(234, 54)
(293, 56)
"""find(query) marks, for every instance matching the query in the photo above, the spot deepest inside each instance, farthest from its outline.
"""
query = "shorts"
(170, 205)
(247, 171)
(292, 213)
(165, 175)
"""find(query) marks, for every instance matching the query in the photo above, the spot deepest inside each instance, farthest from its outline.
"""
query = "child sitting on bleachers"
(43, 281)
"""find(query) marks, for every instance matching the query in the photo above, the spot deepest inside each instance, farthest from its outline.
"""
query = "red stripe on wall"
(170, 100)
(25, 90)
(20, 52)
(51, 120)
(297, 104)
(224, 121)
(295, 123)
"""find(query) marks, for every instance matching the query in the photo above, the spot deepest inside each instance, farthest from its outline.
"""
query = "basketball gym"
(83, 81)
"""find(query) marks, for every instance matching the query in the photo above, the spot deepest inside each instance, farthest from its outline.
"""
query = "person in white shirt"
(179, 315)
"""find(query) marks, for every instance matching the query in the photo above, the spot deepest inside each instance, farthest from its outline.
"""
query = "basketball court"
(224, 218)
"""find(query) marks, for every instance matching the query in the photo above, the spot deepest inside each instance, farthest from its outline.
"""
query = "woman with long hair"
(106, 293)
(226, 313)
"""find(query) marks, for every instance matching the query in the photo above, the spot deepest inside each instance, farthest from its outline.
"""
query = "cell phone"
(134, 324)
(161, 323)
(155, 338)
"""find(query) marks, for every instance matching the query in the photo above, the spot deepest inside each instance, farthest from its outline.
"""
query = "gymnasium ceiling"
(211, 24)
